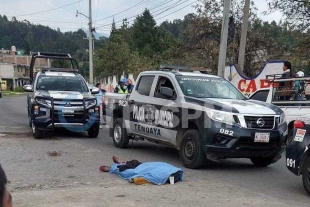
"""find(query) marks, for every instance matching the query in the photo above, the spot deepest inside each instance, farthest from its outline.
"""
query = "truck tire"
(262, 161)
(120, 137)
(93, 131)
(191, 151)
(306, 176)
(36, 133)
(29, 121)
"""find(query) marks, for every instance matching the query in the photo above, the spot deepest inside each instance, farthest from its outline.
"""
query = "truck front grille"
(260, 122)
(68, 110)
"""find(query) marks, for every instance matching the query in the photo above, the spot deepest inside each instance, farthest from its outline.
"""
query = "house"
(14, 68)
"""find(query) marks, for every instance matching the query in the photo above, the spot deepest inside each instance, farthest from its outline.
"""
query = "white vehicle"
(203, 116)
(293, 109)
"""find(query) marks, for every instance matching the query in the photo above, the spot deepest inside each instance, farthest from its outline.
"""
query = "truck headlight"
(282, 118)
(90, 103)
(221, 116)
(43, 101)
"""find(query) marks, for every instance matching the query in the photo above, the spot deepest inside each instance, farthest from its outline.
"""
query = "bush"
(19, 89)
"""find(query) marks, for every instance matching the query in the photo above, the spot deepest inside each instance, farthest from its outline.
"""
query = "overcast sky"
(62, 14)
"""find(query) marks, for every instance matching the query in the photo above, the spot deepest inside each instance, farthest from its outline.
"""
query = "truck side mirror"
(94, 90)
(168, 92)
(28, 88)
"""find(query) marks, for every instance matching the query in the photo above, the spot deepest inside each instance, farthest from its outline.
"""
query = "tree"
(61, 64)
(296, 12)
(26, 47)
(6, 42)
(113, 58)
(143, 31)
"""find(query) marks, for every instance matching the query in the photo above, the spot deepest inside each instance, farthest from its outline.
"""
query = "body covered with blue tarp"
(155, 172)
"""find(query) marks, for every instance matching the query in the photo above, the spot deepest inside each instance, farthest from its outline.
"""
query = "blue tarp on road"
(155, 172)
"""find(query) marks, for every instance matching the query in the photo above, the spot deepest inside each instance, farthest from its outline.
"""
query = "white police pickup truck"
(286, 98)
(203, 116)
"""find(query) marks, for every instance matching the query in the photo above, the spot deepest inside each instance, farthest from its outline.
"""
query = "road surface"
(62, 170)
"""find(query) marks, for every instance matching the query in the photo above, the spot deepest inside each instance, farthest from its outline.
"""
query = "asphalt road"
(13, 113)
(233, 182)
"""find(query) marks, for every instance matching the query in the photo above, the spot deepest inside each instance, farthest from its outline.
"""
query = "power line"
(52, 8)
(37, 20)
(176, 10)
(97, 9)
(118, 7)
(132, 16)
(174, 4)
(124, 16)
(48, 10)
(121, 11)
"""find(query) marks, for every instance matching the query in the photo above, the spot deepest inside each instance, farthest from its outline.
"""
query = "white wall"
(248, 85)
(109, 83)
(6, 70)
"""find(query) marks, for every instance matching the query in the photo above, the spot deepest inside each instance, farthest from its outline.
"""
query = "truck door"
(167, 112)
(139, 107)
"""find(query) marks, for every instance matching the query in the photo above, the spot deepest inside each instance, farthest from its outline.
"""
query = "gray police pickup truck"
(60, 98)
(203, 116)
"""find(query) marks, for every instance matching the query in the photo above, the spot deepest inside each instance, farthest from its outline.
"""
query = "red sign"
(251, 86)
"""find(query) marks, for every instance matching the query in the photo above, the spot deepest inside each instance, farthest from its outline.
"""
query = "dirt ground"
(65, 172)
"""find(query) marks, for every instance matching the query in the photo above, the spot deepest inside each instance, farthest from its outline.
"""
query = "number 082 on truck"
(203, 116)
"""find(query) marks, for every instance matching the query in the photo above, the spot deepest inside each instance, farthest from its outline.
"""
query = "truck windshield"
(61, 83)
(208, 87)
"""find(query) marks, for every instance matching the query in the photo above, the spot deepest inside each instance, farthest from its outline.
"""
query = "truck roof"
(66, 74)
(177, 73)
(59, 74)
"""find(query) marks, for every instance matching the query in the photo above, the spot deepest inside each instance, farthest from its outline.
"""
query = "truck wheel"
(306, 176)
(120, 137)
(93, 131)
(191, 152)
(36, 133)
(29, 118)
(262, 161)
(29, 121)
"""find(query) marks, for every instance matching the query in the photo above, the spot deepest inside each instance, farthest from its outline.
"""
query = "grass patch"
(8, 93)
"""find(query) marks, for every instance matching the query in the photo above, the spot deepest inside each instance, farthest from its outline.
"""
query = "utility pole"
(90, 36)
(90, 44)
(244, 34)
(224, 35)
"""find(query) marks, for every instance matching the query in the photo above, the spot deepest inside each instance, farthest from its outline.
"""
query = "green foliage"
(192, 41)
(19, 89)
(38, 38)
(61, 64)
(134, 49)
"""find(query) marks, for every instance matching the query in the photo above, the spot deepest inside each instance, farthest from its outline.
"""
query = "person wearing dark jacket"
(287, 73)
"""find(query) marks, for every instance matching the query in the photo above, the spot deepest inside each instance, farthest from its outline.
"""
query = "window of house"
(145, 85)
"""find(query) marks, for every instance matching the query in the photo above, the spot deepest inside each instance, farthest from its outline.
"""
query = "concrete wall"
(22, 60)
(248, 85)
(6, 70)
(109, 83)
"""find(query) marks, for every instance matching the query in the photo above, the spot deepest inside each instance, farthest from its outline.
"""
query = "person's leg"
(101, 119)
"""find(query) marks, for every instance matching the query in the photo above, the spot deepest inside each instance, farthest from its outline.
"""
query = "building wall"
(109, 83)
(22, 60)
(21, 71)
(6, 70)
